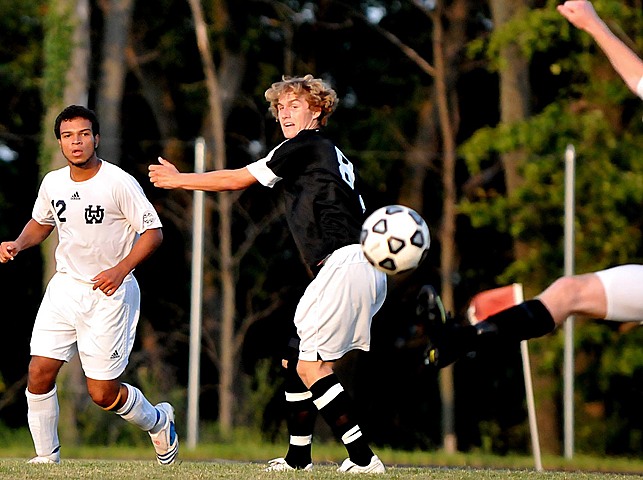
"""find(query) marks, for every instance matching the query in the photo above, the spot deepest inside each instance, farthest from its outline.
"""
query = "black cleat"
(447, 340)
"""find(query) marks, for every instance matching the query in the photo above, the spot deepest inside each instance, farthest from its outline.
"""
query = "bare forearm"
(144, 247)
(33, 234)
(626, 63)
(215, 181)
(108, 281)
(166, 175)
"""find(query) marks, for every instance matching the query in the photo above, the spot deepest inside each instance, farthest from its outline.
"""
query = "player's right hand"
(8, 251)
(163, 174)
(580, 13)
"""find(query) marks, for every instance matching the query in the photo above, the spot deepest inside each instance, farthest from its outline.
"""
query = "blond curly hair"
(319, 94)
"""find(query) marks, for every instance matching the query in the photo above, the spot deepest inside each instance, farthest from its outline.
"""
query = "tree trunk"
(448, 250)
(418, 159)
(224, 207)
(66, 75)
(117, 15)
(515, 94)
(447, 46)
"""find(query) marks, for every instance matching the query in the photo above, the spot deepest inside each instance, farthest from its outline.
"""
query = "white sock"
(139, 411)
(42, 416)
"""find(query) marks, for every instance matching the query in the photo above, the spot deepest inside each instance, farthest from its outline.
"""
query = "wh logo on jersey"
(94, 215)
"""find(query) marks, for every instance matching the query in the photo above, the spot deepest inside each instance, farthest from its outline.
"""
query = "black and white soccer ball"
(395, 239)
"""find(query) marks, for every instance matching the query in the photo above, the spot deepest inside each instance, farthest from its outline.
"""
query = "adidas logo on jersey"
(75, 196)
(115, 355)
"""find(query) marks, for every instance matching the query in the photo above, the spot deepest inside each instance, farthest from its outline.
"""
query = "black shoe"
(447, 340)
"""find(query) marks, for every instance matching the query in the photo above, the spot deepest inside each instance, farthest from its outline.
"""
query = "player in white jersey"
(106, 227)
(324, 210)
(612, 294)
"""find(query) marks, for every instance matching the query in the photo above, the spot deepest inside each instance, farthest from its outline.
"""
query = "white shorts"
(624, 292)
(334, 314)
(74, 318)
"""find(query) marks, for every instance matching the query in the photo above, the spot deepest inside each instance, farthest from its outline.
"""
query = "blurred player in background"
(325, 212)
(612, 294)
(106, 227)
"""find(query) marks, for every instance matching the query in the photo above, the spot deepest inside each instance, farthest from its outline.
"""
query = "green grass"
(16, 469)
(246, 455)
(246, 460)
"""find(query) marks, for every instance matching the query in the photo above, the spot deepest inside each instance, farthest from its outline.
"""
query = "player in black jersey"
(324, 211)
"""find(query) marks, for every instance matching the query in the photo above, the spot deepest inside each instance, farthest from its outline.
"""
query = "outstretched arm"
(627, 64)
(166, 175)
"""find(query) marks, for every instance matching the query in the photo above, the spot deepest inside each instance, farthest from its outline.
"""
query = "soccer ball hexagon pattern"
(395, 239)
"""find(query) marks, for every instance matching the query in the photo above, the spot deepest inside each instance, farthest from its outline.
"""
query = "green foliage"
(609, 375)
(608, 189)
(97, 427)
(598, 115)
(20, 52)
(591, 109)
(58, 46)
(623, 357)
(532, 30)
(609, 192)
(258, 390)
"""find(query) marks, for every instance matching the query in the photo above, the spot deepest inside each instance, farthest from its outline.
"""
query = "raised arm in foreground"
(627, 64)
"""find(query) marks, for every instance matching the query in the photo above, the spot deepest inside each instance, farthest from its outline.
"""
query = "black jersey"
(323, 208)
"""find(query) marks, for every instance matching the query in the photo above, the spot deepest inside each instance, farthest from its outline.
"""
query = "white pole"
(529, 390)
(196, 301)
(531, 406)
(570, 157)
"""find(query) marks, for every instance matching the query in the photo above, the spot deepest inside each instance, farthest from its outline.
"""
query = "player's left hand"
(108, 281)
(163, 174)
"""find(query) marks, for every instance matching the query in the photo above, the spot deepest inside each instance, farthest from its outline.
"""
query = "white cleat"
(166, 441)
(375, 466)
(53, 459)
(280, 465)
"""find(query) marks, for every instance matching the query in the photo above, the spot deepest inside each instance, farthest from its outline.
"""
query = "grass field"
(246, 460)
(16, 469)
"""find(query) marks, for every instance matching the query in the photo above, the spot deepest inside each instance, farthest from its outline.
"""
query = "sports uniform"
(623, 292)
(106, 227)
(98, 221)
(325, 213)
(319, 188)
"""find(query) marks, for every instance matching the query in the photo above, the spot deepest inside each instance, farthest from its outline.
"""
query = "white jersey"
(623, 292)
(639, 88)
(98, 220)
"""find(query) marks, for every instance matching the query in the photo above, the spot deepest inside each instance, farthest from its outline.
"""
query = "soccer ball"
(395, 239)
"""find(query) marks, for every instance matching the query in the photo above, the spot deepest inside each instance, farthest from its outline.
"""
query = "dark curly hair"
(76, 111)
